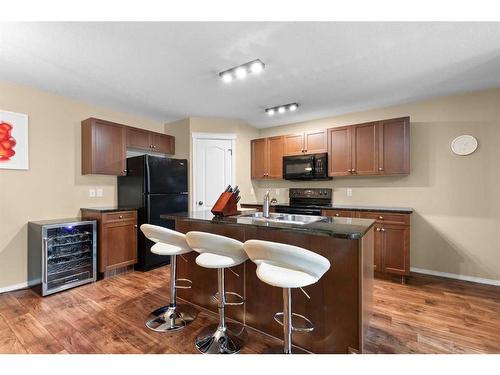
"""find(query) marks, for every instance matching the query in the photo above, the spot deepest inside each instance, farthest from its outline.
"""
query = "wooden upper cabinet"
(394, 146)
(313, 142)
(163, 143)
(259, 156)
(339, 151)
(316, 142)
(294, 144)
(103, 147)
(267, 157)
(275, 147)
(375, 148)
(138, 138)
(365, 149)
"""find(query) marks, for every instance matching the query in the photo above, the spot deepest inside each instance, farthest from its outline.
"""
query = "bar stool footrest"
(187, 281)
(307, 327)
(238, 299)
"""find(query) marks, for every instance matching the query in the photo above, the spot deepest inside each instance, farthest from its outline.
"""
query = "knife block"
(226, 205)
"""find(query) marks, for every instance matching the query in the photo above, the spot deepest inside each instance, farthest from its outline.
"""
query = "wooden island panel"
(340, 303)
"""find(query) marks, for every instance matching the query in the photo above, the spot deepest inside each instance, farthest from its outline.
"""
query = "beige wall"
(53, 187)
(456, 199)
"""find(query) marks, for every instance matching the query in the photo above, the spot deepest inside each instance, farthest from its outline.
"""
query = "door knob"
(200, 203)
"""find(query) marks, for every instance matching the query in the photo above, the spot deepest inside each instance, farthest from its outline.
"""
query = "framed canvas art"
(13, 140)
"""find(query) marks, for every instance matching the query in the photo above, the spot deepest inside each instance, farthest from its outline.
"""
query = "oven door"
(298, 210)
(298, 167)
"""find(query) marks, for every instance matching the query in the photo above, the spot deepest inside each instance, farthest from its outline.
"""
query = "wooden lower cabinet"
(117, 238)
(392, 240)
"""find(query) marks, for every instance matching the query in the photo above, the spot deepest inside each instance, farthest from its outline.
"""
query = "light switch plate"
(99, 193)
(92, 193)
(348, 192)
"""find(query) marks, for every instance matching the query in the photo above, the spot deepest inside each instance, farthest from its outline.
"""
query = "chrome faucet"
(265, 206)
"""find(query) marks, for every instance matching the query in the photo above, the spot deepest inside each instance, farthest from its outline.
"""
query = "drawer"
(339, 213)
(119, 216)
(382, 217)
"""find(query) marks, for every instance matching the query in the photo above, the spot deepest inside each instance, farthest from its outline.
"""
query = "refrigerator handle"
(148, 208)
(44, 259)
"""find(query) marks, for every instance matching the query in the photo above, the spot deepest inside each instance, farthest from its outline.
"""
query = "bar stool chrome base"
(168, 318)
(281, 350)
(215, 339)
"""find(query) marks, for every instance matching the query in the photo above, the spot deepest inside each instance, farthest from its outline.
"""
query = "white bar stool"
(219, 252)
(287, 266)
(172, 316)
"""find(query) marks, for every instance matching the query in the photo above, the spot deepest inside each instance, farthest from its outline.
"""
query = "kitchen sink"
(283, 218)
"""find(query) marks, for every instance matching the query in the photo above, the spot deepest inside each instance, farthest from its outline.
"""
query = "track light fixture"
(282, 108)
(242, 71)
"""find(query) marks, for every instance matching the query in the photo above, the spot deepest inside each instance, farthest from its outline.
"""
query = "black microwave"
(306, 167)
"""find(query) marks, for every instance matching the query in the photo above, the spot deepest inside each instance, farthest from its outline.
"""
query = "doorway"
(213, 168)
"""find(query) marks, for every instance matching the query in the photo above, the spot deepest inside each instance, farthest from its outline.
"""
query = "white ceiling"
(169, 70)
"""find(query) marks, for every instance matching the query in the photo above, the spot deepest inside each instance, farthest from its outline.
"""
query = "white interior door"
(212, 171)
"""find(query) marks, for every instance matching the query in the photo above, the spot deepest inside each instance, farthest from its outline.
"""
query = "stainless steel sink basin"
(283, 218)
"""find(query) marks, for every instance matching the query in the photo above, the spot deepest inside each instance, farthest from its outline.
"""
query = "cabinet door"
(108, 148)
(140, 139)
(396, 249)
(365, 149)
(378, 249)
(315, 142)
(259, 156)
(163, 143)
(275, 157)
(119, 241)
(339, 151)
(394, 146)
(294, 144)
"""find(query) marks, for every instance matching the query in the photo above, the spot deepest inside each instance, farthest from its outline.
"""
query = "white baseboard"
(26, 284)
(455, 276)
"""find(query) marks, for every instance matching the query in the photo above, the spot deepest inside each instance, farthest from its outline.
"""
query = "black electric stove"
(306, 201)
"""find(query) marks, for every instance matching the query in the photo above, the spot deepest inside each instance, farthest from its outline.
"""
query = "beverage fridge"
(61, 254)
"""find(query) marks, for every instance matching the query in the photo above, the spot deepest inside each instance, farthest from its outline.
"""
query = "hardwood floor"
(427, 315)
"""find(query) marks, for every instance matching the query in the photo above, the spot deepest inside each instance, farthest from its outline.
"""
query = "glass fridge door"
(69, 256)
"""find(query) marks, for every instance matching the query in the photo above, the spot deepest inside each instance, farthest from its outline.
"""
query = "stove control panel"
(314, 193)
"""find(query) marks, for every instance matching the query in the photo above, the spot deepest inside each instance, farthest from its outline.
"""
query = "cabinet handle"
(381, 218)
(337, 214)
(135, 226)
(124, 171)
(380, 168)
(349, 170)
(378, 229)
(353, 171)
(382, 229)
(120, 217)
(150, 146)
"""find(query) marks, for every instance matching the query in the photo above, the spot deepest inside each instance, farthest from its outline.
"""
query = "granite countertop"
(340, 227)
(399, 210)
(109, 209)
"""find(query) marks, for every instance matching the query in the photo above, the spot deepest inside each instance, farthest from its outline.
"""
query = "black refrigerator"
(155, 186)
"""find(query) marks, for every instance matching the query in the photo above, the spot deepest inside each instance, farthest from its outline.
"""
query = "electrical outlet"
(92, 193)
(349, 192)
(100, 193)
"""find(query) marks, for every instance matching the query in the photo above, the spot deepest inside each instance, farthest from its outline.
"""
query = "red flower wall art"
(13, 140)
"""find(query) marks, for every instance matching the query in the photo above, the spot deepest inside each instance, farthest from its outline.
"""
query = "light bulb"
(292, 107)
(240, 72)
(270, 112)
(256, 67)
(227, 77)
(281, 110)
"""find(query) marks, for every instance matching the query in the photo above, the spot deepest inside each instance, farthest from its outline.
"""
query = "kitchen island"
(340, 302)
